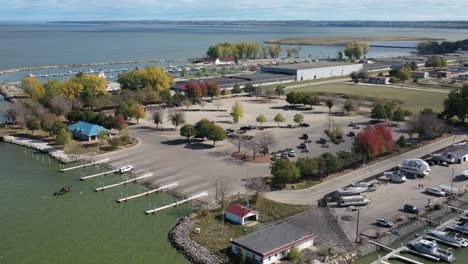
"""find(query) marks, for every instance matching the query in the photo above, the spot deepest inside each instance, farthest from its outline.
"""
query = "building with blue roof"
(87, 131)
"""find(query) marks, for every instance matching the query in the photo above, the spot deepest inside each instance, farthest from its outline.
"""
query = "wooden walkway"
(83, 165)
(162, 188)
(146, 175)
(200, 195)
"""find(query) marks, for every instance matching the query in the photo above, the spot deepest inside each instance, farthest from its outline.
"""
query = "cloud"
(234, 9)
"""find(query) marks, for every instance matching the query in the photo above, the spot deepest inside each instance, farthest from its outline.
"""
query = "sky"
(382, 10)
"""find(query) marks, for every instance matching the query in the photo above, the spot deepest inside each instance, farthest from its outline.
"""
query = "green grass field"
(412, 100)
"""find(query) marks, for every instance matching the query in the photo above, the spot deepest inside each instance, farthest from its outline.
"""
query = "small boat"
(431, 249)
(351, 190)
(448, 238)
(462, 228)
(415, 166)
(361, 184)
(62, 191)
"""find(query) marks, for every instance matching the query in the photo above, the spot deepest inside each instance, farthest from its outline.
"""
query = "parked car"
(304, 125)
(285, 155)
(356, 127)
(411, 209)
(384, 222)
(125, 169)
(444, 164)
(290, 126)
(322, 141)
(435, 191)
(351, 134)
(292, 154)
(229, 131)
(352, 124)
(304, 136)
(244, 128)
(302, 146)
(252, 126)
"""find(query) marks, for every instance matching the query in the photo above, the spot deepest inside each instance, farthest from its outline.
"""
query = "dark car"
(304, 136)
(351, 134)
(411, 209)
(245, 128)
(304, 125)
(444, 164)
(322, 141)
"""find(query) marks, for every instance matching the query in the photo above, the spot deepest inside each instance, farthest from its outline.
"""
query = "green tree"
(216, 133)
(33, 88)
(456, 104)
(298, 118)
(309, 167)
(403, 74)
(262, 119)
(311, 100)
(64, 136)
(102, 137)
(237, 112)
(348, 106)
(158, 118)
(57, 126)
(125, 108)
(283, 172)
(356, 51)
(150, 77)
(294, 255)
(250, 89)
(203, 128)
(398, 115)
(402, 142)
(138, 112)
(378, 112)
(279, 118)
(188, 131)
(329, 103)
(279, 90)
(33, 124)
(236, 90)
(166, 97)
(177, 118)
(187, 104)
(436, 62)
(178, 98)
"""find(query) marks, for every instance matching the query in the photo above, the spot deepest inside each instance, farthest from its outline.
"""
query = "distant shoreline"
(337, 41)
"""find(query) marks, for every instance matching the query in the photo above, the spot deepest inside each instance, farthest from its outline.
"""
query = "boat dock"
(200, 195)
(162, 188)
(98, 174)
(84, 165)
(146, 175)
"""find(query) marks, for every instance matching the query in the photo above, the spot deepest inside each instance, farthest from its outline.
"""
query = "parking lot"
(389, 198)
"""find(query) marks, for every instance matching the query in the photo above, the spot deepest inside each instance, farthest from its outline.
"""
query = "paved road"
(312, 195)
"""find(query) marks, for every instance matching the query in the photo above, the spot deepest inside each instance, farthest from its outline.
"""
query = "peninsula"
(342, 41)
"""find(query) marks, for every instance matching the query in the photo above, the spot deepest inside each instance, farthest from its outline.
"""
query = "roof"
(379, 77)
(87, 129)
(211, 59)
(312, 65)
(240, 210)
(229, 59)
(274, 239)
(459, 149)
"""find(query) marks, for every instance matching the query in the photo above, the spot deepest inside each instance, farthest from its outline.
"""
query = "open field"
(412, 100)
(342, 41)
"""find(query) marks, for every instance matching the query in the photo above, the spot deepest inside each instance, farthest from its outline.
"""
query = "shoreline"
(342, 41)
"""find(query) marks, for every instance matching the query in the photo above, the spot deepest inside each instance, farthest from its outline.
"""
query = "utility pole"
(451, 186)
(357, 226)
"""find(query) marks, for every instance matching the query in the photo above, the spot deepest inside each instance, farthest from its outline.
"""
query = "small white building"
(214, 61)
(419, 74)
(240, 214)
(271, 244)
(378, 80)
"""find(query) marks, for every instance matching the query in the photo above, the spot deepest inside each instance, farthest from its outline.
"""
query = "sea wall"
(180, 238)
(44, 147)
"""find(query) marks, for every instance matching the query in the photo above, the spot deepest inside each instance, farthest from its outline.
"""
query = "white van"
(352, 201)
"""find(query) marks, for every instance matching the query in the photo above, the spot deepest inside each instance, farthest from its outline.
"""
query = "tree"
(378, 112)
(279, 90)
(60, 105)
(237, 112)
(225, 92)
(102, 137)
(153, 78)
(283, 172)
(374, 141)
(33, 88)
(178, 98)
(355, 50)
(436, 62)
(427, 125)
(298, 118)
(456, 104)
(202, 105)
(64, 136)
(279, 118)
(213, 89)
(398, 115)
(138, 112)
(294, 254)
(274, 51)
(402, 142)
(295, 98)
(57, 126)
(329, 103)
(194, 91)
(237, 89)
(250, 89)
(348, 106)
(239, 141)
(262, 119)
(309, 168)
(187, 104)
(216, 133)
(403, 74)
(203, 128)
(158, 118)
(311, 100)
(119, 122)
(125, 108)
(177, 118)
(33, 124)
(413, 65)
(47, 122)
(188, 131)
(222, 189)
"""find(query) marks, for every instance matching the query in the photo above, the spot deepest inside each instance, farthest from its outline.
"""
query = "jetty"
(98, 174)
(196, 196)
(84, 165)
(162, 188)
(146, 175)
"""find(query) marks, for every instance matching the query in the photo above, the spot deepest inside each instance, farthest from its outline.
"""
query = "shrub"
(402, 142)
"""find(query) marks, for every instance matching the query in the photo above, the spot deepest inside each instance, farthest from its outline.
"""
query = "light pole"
(357, 226)
(451, 186)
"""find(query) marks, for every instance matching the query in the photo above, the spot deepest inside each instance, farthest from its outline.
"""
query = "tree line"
(245, 50)
(434, 47)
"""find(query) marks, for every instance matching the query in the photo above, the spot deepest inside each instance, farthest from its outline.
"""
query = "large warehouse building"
(315, 70)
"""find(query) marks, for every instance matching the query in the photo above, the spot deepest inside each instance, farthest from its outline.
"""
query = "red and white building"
(240, 214)
(378, 80)
(271, 244)
(216, 61)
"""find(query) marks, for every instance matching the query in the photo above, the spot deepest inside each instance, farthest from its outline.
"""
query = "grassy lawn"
(273, 86)
(412, 100)
(215, 235)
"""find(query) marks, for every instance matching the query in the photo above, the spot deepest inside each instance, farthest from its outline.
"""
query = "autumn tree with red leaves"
(193, 91)
(212, 89)
(119, 122)
(374, 141)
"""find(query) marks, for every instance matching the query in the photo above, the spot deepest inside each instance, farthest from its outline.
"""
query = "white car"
(292, 154)
(384, 222)
(125, 169)
(435, 191)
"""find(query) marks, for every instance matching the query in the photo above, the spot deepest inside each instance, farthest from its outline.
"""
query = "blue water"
(51, 44)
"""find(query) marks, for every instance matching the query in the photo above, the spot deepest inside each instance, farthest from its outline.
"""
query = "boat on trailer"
(448, 238)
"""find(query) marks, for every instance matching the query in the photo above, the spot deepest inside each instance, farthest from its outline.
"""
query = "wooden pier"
(98, 174)
(146, 175)
(83, 165)
(200, 195)
(162, 188)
